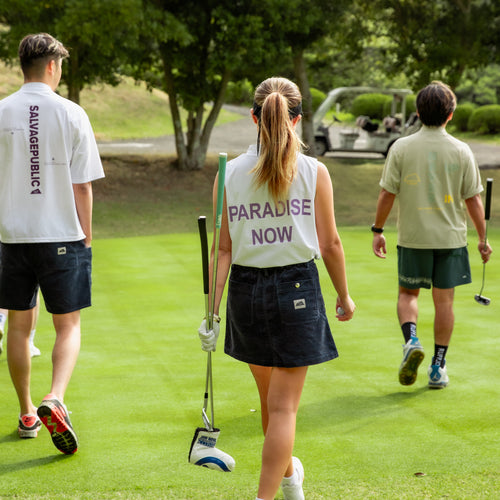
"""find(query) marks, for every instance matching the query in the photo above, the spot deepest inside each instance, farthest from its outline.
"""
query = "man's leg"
(19, 357)
(52, 411)
(65, 351)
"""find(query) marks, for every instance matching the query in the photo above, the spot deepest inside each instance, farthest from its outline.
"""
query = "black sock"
(439, 355)
(409, 330)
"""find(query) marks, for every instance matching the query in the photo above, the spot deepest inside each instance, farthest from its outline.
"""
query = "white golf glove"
(209, 338)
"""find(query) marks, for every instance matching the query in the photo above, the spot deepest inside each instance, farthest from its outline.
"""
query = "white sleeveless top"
(265, 234)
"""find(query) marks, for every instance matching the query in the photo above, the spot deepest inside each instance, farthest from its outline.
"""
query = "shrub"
(410, 106)
(317, 98)
(461, 116)
(485, 119)
(240, 92)
(371, 105)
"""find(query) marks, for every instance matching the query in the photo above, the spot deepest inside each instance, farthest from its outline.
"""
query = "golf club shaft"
(487, 209)
(218, 222)
(202, 228)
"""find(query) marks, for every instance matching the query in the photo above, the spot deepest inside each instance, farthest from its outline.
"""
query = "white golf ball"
(340, 311)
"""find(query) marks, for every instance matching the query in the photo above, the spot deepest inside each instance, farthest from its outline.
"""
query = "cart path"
(235, 137)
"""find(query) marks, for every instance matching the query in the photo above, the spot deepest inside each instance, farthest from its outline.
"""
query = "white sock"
(32, 336)
(290, 479)
(3, 319)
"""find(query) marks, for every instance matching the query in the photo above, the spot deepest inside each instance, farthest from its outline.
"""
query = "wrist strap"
(378, 230)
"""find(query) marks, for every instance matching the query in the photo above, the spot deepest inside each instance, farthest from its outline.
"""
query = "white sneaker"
(203, 451)
(438, 377)
(292, 486)
(34, 351)
(413, 354)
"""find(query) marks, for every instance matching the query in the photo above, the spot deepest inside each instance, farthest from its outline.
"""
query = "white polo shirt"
(265, 234)
(46, 145)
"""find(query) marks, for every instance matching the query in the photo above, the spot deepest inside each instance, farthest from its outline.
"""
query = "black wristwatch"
(379, 230)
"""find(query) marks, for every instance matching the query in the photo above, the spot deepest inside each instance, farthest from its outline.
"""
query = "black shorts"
(62, 271)
(276, 317)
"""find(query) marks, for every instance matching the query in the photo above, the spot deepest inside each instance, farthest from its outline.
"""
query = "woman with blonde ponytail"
(277, 219)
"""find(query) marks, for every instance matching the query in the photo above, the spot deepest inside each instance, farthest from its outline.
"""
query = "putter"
(202, 228)
(204, 451)
(479, 298)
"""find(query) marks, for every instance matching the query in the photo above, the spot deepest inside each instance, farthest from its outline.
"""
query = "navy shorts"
(62, 271)
(276, 317)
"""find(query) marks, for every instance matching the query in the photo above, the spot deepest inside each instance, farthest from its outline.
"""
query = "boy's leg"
(19, 357)
(408, 305)
(413, 353)
(444, 319)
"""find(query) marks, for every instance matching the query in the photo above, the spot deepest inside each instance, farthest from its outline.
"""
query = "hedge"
(371, 105)
(485, 120)
(461, 116)
(378, 106)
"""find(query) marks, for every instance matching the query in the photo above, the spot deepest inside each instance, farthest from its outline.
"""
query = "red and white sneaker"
(29, 425)
(55, 417)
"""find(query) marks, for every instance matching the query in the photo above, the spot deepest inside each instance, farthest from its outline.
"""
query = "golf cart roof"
(334, 95)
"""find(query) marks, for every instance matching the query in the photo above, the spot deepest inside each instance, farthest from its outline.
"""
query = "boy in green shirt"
(437, 181)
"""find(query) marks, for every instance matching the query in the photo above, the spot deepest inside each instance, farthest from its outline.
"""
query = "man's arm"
(84, 202)
(384, 207)
(476, 212)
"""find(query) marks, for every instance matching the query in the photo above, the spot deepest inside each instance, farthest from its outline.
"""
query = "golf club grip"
(489, 184)
(220, 189)
(218, 222)
(202, 227)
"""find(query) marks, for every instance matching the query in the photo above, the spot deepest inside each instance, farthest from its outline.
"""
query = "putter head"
(485, 301)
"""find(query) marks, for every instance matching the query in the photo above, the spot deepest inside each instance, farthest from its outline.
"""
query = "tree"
(436, 38)
(209, 42)
(98, 33)
(294, 27)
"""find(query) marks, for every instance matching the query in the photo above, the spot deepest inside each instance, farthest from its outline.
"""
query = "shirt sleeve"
(391, 175)
(471, 185)
(86, 165)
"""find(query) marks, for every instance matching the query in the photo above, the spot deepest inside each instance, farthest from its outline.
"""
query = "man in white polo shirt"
(49, 160)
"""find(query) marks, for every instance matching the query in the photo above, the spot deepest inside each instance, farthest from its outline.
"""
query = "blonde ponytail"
(277, 102)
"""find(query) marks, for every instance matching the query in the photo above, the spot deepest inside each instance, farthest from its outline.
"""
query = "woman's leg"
(280, 390)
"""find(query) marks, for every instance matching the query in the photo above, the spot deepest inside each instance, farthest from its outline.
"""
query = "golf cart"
(366, 136)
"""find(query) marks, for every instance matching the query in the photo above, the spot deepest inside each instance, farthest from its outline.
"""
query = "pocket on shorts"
(60, 256)
(240, 302)
(298, 302)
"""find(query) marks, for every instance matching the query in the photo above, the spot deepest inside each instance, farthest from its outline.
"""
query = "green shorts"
(423, 268)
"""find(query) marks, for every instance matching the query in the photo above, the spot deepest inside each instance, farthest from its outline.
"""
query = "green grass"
(175, 199)
(137, 391)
